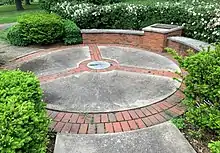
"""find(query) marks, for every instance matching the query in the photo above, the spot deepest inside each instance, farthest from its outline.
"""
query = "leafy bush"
(15, 36)
(202, 89)
(7, 2)
(41, 28)
(24, 121)
(179, 122)
(72, 34)
(101, 2)
(204, 117)
(47, 4)
(201, 22)
(214, 146)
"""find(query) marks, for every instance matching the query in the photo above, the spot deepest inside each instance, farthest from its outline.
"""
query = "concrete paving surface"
(57, 61)
(8, 52)
(138, 58)
(103, 92)
(162, 138)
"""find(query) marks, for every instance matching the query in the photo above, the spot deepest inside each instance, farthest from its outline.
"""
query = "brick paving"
(109, 122)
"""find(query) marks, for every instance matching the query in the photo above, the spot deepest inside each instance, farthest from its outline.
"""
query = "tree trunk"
(19, 5)
(27, 2)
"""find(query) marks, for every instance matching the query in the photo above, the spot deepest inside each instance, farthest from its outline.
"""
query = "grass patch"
(9, 13)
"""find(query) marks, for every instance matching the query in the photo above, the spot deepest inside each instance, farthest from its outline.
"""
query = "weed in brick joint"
(88, 117)
(167, 112)
(92, 120)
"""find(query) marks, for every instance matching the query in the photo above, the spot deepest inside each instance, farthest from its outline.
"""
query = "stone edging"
(191, 43)
(112, 31)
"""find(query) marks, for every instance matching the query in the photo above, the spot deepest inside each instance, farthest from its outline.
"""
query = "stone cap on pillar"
(162, 28)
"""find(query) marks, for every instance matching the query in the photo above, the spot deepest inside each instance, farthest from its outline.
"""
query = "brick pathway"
(111, 122)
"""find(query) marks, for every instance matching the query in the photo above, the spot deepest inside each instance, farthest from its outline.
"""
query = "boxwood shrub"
(72, 34)
(43, 28)
(16, 37)
(24, 121)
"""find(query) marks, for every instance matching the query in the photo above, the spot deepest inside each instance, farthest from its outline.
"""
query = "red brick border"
(121, 121)
(111, 122)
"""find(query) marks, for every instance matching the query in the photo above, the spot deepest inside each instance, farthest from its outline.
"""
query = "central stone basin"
(98, 65)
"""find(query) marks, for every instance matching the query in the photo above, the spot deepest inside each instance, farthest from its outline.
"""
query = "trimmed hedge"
(24, 121)
(72, 34)
(43, 28)
(16, 37)
(201, 22)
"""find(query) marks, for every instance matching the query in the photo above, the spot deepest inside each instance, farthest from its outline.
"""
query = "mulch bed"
(51, 145)
(199, 144)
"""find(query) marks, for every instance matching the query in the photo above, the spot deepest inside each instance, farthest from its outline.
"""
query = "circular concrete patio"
(129, 86)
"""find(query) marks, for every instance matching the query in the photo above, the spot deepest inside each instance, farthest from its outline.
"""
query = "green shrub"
(15, 36)
(101, 2)
(204, 117)
(179, 122)
(7, 2)
(41, 28)
(24, 121)
(200, 22)
(214, 146)
(72, 34)
(202, 89)
(48, 4)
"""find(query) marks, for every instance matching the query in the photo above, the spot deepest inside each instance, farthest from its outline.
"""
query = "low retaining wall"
(105, 37)
(151, 38)
(179, 47)
(155, 38)
(182, 44)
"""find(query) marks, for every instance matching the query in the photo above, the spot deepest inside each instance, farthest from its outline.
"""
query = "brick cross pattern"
(113, 121)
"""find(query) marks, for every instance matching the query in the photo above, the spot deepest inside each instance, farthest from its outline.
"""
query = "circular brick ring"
(109, 122)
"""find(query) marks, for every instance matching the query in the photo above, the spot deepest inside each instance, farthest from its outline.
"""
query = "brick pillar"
(155, 36)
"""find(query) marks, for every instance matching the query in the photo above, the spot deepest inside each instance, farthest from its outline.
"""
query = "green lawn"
(9, 14)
